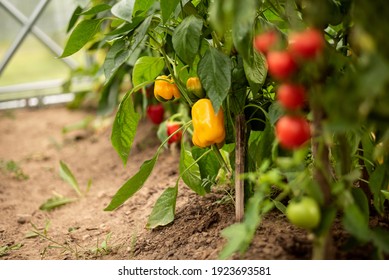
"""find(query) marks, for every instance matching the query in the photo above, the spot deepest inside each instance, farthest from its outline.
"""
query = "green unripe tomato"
(304, 213)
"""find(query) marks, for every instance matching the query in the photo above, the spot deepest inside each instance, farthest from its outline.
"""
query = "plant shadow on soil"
(33, 139)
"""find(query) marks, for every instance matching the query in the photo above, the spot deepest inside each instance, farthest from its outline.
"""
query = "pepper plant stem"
(220, 158)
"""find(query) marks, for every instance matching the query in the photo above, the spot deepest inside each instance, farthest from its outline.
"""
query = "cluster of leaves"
(345, 169)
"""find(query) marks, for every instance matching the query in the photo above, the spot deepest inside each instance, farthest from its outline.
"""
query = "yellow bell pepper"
(165, 88)
(208, 126)
(194, 87)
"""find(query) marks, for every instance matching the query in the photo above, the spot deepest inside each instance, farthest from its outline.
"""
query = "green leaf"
(209, 166)
(82, 34)
(378, 181)
(186, 38)
(260, 145)
(362, 202)
(221, 13)
(167, 8)
(354, 222)
(67, 176)
(328, 216)
(109, 95)
(146, 69)
(73, 20)
(97, 9)
(124, 128)
(55, 202)
(368, 151)
(386, 194)
(162, 132)
(121, 52)
(292, 15)
(244, 18)
(380, 238)
(124, 29)
(256, 70)
(123, 9)
(279, 206)
(4, 250)
(275, 112)
(214, 71)
(164, 209)
(141, 7)
(110, 63)
(134, 184)
(239, 236)
(190, 172)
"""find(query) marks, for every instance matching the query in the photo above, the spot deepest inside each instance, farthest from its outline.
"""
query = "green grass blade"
(68, 177)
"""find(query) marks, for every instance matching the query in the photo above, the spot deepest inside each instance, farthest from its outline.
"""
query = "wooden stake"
(240, 153)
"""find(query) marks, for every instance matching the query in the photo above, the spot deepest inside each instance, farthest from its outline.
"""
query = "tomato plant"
(331, 144)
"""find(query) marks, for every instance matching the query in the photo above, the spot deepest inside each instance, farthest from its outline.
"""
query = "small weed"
(13, 168)
(43, 234)
(76, 250)
(9, 114)
(134, 239)
(58, 200)
(4, 250)
(103, 248)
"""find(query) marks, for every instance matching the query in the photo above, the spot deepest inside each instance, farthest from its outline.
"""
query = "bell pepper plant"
(285, 101)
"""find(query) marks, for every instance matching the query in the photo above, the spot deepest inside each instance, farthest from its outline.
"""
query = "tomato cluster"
(292, 130)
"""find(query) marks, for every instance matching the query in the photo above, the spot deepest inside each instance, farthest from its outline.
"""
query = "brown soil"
(33, 139)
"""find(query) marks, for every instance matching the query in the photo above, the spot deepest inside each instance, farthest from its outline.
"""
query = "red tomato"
(171, 128)
(291, 96)
(263, 42)
(292, 131)
(155, 113)
(281, 64)
(307, 44)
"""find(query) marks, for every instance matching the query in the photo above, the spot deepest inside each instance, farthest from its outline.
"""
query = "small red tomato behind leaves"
(155, 113)
(292, 131)
(171, 128)
(281, 64)
(291, 96)
(265, 41)
(307, 44)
